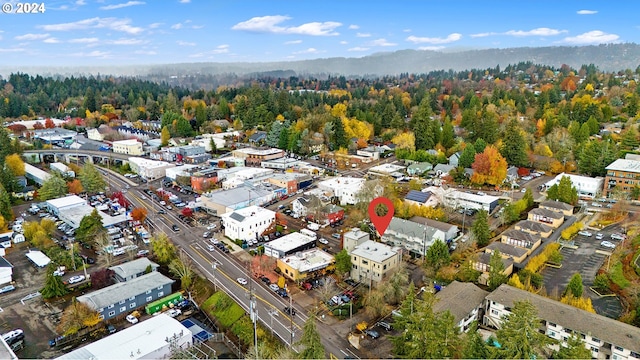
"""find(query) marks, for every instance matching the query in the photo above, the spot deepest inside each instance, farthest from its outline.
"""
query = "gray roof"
(521, 235)
(507, 249)
(374, 251)
(418, 196)
(237, 195)
(309, 201)
(601, 327)
(408, 228)
(237, 217)
(133, 267)
(534, 226)
(444, 168)
(485, 258)
(547, 213)
(460, 299)
(5, 263)
(433, 223)
(632, 166)
(557, 205)
(121, 291)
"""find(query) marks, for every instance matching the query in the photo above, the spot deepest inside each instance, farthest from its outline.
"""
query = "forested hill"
(611, 57)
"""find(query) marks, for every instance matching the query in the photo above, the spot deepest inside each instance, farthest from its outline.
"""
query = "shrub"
(601, 282)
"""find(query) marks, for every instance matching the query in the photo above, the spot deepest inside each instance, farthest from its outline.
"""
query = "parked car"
(585, 233)
(142, 253)
(173, 312)
(336, 236)
(265, 280)
(374, 334)
(289, 311)
(7, 288)
(132, 319)
(274, 287)
(76, 279)
(206, 234)
(599, 236)
(323, 241)
(175, 227)
(616, 236)
(608, 244)
(283, 293)
(385, 325)
(111, 329)
(242, 281)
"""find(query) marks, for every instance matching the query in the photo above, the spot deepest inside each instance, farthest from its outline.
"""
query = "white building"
(61, 168)
(464, 200)
(372, 261)
(149, 169)
(387, 170)
(154, 338)
(606, 338)
(353, 238)
(345, 189)
(6, 271)
(415, 237)
(247, 223)
(55, 206)
(280, 164)
(37, 175)
(235, 179)
(128, 147)
(182, 170)
(288, 244)
(587, 187)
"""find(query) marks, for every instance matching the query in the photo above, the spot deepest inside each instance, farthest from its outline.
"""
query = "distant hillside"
(612, 57)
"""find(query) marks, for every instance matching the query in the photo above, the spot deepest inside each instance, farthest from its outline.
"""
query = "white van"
(309, 233)
(118, 251)
(17, 228)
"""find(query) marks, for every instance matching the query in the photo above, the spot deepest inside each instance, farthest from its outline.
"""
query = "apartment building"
(372, 261)
(622, 174)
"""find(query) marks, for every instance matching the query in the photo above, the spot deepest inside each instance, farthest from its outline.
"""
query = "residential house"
(353, 238)
(512, 174)
(124, 297)
(419, 168)
(421, 198)
(132, 269)
(412, 236)
(248, 223)
(521, 239)
(372, 261)
(605, 337)
(346, 189)
(306, 205)
(466, 200)
(481, 263)
(464, 301)
(557, 206)
(258, 137)
(99, 133)
(534, 227)
(306, 264)
(507, 251)
(441, 170)
(450, 231)
(454, 159)
(548, 217)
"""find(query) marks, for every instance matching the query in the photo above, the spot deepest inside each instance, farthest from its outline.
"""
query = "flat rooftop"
(465, 196)
(625, 165)
(289, 242)
(127, 142)
(310, 260)
(387, 168)
(342, 182)
(374, 251)
(149, 163)
(71, 200)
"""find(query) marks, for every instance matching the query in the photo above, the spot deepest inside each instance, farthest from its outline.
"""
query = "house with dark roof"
(133, 269)
(416, 237)
(464, 301)
(521, 239)
(481, 263)
(258, 137)
(421, 198)
(605, 337)
(124, 297)
(557, 206)
(535, 228)
(450, 231)
(517, 254)
(306, 205)
(547, 217)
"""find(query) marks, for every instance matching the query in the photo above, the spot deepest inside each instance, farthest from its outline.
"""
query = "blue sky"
(123, 32)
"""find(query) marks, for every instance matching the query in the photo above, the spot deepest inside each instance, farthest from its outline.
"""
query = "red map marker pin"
(381, 222)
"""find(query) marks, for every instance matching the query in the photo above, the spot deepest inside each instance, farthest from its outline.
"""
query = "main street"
(228, 268)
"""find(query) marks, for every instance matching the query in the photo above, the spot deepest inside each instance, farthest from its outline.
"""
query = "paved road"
(228, 269)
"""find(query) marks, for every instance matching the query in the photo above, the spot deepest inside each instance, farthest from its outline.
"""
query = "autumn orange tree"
(139, 214)
(489, 167)
(75, 186)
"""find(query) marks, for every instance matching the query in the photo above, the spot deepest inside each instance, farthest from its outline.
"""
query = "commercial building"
(588, 187)
(306, 205)
(288, 244)
(255, 157)
(547, 217)
(149, 169)
(353, 238)
(132, 269)
(290, 181)
(387, 170)
(345, 189)
(6, 271)
(238, 177)
(36, 175)
(124, 297)
(62, 169)
(248, 223)
(72, 208)
(129, 147)
(280, 164)
(464, 301)
(56, 206)
(464, 200)
(417, 237)
(372, 261)
(182, 170)
(224, 201)
(38, 258)
(305, 264)
(622, 174)
(557, 206)
(159, 337)
(606, 338)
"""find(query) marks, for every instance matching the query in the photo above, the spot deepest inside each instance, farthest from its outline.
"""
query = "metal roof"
(418, 196)
(121, 291)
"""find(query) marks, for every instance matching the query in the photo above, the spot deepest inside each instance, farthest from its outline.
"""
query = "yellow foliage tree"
(339, 110)
(15, 164)
(355, 128)
(3, 224)
(406, 140)
(514, 281)
(542, 150)
(583, 303)
(165, 136)
(540, 125)
(556, 167)
(537, 262)
(280, 117)
(569, 232)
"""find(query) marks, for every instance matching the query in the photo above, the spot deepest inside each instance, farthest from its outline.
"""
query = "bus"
(309, 233)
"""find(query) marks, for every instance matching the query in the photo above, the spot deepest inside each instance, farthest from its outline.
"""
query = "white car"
(242, 281)
(599, 236)
(132, 319)
(585, 233)
(174, 312)
(324, 241)
(274, 287)
(608, 244)
(616, 236)
(76, 279)
(212, 227)
(211, 247)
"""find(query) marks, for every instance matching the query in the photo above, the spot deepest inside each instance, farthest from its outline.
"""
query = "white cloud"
(406, 30)
(51, 40)
(269, 24)
(185, 1)
(31, 37)
(177, 26)
(363, 35)
(307, 51)
(358, 48)
(197, 27)
(185, 43)
(145, 52)
(122, 5)
(123, 25)
(293, 42)
(154, 25)
(84, 40)
(586, 12)
(125, 42)
(381, 42)
(81, 2)
(343, 42)
(592, 37)
(95, 53)
(484, 34)
(11, 50)
(436, 40)
(354, 27)
(431, 48)
(543, 31)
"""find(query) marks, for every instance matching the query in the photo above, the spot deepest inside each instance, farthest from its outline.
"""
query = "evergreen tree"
(593, 125)
(90, 227)
(283, 141)
(5, 204)
(630, 139)
(496, 271)
(423, 139)
(91, 179)
(563, 191)
(519, 335)
(214, 147)
(273, 136)
(480, 145)
(480, 229)
(339, 135)
(90, 100)
(448, 134)
(343, 262)
(514, 147)
(53, 286)
(467, 157)
(438, 255)
(52, 188)
(474, 347)
(575, 286)
(311, 341)
(574, 349)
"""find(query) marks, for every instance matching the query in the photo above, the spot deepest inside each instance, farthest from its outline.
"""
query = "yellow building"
(557, 206)
(521, 239)
(517, 254)
(547, 217)
(306, 265)
(481, 263)
(535, 228)
(129, 147)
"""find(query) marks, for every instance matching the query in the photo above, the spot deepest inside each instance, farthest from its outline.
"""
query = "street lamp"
(215, 266)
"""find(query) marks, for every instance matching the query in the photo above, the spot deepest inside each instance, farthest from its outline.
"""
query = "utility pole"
(215, 266)
(254, 317)
(290, 318)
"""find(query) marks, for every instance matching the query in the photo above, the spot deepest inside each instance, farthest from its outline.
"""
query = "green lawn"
(617, 276)
(223, 308)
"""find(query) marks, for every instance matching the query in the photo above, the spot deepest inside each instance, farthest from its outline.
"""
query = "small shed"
(38, 258)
